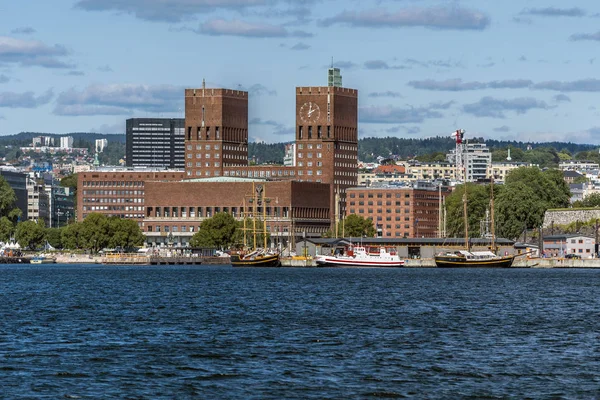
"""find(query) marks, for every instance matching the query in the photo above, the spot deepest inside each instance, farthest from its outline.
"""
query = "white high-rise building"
(66, 142)
(101, 144)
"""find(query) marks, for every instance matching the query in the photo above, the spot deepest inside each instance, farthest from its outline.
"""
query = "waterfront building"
(216, 146)
(154, 142)
(117, 191)
(400, 212)
(562, 245)
(175, 209)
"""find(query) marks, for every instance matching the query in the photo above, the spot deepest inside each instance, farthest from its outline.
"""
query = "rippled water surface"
(222, 333)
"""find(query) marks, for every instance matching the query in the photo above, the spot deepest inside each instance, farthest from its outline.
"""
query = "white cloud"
(222, 27)
(119, 99)
(27, 53)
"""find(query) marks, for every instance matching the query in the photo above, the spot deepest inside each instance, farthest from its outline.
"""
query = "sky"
(522, 70)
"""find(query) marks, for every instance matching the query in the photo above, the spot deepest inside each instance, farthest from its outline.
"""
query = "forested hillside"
(430, 149)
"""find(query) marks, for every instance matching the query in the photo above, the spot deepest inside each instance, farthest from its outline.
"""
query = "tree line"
(518, 204)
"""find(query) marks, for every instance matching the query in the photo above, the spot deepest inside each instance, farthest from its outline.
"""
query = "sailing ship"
(475, 259)
(256, 257)
(361, 256)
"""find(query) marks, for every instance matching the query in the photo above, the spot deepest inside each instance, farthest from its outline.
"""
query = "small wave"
(207, 355)
(215, 377)
(385, 395)
(71, 375)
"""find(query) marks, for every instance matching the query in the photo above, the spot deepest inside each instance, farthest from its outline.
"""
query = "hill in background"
(430, 149)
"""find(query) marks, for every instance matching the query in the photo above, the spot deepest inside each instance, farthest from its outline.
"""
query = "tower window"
(319, 133)
(328, 131)
(310, 132)
(300, 132)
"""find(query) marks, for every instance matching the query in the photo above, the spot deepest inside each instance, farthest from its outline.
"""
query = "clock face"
(310, 112)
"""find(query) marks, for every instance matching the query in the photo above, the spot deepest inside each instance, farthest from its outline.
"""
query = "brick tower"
(216, 131)
(327, 140)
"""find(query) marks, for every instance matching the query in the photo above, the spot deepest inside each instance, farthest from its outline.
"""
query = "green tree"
(354, 226)
(53, 236)
(30, 234)
(518, 207)
(124, 233)
(478, 204)
(8, 199)
(7, 228)
(70, 237)
(218, 231)
(95, 232)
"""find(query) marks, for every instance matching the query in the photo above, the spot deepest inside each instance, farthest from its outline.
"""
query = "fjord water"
(217, 332)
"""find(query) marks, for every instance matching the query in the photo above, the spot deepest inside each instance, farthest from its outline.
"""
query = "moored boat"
(256, 258)
(472, 259)
(41, 259)
(361, 256)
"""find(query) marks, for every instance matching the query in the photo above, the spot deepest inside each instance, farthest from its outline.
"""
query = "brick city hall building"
(304, 199)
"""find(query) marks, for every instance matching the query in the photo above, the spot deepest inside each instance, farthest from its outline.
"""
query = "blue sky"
(512, 70)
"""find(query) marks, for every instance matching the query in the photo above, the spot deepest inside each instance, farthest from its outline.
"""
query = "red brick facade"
(216, 124)
(398, 212)
(180, 207)
(118, 193)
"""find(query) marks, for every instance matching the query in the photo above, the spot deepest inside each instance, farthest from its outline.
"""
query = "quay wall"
(565, 217)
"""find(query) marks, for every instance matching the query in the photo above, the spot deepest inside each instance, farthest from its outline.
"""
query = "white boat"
(362, 256)
(43, 259)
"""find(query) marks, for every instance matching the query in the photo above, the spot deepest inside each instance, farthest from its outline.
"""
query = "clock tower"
(327, 140)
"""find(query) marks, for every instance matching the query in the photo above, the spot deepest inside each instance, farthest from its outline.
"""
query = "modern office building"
(155, 142)
(18, 182)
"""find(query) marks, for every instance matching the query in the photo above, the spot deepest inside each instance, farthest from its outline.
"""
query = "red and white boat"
(362, 256)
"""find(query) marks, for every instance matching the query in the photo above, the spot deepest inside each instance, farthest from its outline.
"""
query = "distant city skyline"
(513, 70)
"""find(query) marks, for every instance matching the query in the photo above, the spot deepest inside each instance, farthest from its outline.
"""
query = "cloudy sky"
(516, 69)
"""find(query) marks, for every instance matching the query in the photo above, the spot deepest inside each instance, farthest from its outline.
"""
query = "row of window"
(361, 211)
(379, 203)
(113, 183)
(111, 200)
(206, 147)
(310, 146)
(114, 192)
(192, 212)
(380, 195)
(309, 164)
(260, 174)
(310, 155)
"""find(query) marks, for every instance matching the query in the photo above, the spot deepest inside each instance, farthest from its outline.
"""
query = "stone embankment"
(565, 217)
(68, 258)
